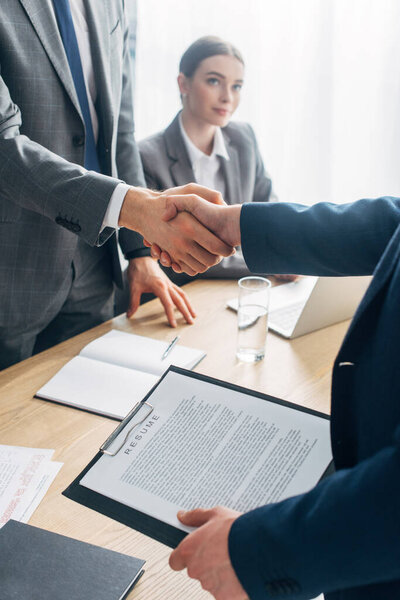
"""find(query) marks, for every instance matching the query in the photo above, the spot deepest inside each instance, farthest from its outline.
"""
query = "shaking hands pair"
(189, 228)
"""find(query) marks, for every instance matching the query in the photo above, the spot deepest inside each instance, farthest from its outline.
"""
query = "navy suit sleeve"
(324, 239)
(311, 543)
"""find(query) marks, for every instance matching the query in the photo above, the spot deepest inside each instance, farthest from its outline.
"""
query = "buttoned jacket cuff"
(249, 552)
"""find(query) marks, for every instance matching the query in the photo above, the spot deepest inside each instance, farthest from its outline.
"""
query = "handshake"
(189, 228)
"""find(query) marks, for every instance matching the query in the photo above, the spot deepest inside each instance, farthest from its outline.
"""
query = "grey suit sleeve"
(36, 179)
(263, 185)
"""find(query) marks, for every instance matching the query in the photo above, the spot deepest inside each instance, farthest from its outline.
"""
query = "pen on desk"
(170, 347)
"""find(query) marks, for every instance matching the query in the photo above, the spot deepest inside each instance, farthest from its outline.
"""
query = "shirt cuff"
(111, 217)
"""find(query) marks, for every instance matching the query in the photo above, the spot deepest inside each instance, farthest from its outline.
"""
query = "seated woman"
(202, 145)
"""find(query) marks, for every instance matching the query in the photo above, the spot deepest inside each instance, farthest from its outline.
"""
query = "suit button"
(70, 225)
(78, 140)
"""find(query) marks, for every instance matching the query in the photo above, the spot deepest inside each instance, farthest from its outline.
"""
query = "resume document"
(204, 444)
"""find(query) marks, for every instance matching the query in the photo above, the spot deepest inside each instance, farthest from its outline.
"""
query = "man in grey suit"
(66, 147)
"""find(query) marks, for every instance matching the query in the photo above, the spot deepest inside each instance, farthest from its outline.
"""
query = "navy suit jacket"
(343, 537)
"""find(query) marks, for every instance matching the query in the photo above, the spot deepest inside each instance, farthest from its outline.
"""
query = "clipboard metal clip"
(104, 447)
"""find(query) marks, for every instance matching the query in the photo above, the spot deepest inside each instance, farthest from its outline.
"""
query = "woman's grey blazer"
(166, 164)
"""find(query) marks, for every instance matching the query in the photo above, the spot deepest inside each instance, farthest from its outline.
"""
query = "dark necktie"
(68, 36)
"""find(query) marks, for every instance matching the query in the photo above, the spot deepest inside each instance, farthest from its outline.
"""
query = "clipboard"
(159, 530)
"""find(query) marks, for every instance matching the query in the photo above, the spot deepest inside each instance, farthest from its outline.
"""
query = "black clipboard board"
(150, 526)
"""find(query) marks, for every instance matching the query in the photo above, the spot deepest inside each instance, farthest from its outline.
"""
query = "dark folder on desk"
(36, 563)
(205, 390)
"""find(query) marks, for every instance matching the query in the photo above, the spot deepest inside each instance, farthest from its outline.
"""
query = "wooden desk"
(299, 371)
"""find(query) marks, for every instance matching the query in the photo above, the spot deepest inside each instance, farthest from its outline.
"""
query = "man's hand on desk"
(191, 245)
(145, 276)
(204, 553)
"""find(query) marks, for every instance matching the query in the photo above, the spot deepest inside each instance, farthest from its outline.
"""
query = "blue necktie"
(67, 31)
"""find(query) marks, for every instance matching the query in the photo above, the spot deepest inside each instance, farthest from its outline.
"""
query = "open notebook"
(114, 372)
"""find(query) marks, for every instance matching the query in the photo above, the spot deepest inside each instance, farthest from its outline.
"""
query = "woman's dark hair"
(203, 48)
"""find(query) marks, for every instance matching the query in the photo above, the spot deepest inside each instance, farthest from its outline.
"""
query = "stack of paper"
(25, 477)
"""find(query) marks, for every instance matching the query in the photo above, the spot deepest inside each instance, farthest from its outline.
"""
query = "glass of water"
(252, 318)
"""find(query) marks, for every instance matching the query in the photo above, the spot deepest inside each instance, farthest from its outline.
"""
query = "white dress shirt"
(207, 168)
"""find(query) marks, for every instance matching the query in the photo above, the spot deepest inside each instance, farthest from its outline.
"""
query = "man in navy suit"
(341, 538)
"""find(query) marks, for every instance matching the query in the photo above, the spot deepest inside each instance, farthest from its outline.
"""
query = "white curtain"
(322, 87)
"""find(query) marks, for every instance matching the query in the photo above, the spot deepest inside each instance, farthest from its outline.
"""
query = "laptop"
(311, 303)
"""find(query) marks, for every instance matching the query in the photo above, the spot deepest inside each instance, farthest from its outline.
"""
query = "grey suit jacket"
(166, 164)
(46, 198)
